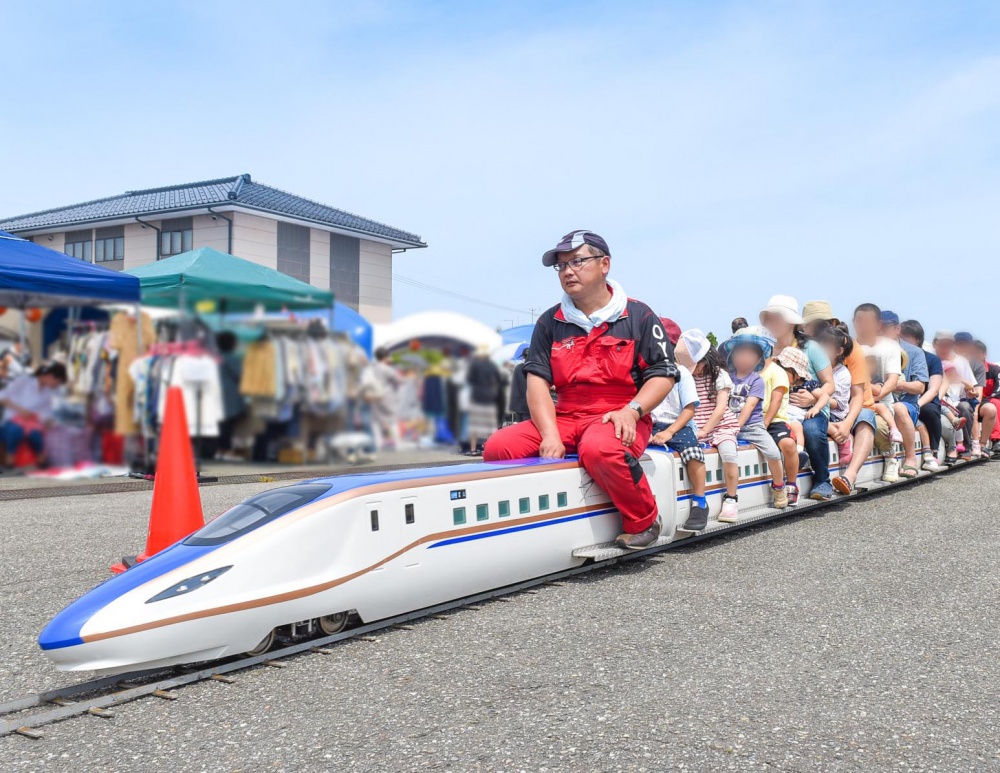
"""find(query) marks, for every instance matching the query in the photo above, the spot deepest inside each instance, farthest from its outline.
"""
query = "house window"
(176, 236)
(561, 499)
(109, 244)
(374, 515)
(543, 502)
(293, 250)
(504, 508)
(78, 244)
(345, 269)
(410, 514)
(524, 505)
(482, 512)
(458, 515)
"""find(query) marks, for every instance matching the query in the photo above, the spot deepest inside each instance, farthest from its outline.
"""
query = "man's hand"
(551, 448)
(839, 431)
(802, 398)
(624, 420)
(662, 438)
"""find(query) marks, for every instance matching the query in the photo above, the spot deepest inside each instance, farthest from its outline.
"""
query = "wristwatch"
(634, 405)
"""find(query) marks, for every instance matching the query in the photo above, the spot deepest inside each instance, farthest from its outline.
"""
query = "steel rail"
(123, 689)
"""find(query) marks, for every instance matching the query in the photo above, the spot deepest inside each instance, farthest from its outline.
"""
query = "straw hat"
(814, 311)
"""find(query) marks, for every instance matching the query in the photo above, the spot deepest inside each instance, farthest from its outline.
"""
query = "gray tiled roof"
(238, 191)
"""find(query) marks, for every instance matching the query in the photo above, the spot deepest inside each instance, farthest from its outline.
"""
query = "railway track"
(24, 716)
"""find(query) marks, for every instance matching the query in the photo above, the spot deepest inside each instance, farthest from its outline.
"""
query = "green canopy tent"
(233, 284)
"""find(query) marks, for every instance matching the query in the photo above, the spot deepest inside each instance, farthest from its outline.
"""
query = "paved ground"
(14, 485)
(864, 639)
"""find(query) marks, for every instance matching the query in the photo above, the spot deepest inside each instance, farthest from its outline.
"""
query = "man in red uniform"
(610, 363)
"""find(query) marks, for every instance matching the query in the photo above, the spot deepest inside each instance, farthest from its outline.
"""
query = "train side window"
(562, 500)
(718, 474)
(504, 508)
(747, 471)
(410, 514)
(374, 520)
(680, 473)
(524, 505)
(482, 512)
(458, 515)
(756, 469)
(543, 502)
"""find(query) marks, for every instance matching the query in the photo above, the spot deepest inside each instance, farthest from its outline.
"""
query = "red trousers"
(614, 467)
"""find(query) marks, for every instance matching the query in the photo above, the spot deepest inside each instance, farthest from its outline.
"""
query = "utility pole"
(533, 310)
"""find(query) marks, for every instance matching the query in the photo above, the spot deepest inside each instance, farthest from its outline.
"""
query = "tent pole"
(142, 422)
(21, 334)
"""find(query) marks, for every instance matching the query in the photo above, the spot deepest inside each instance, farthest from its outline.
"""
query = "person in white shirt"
(28, 407)
(962, 386)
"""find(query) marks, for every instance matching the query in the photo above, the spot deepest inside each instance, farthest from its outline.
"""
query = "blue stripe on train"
(522, 527)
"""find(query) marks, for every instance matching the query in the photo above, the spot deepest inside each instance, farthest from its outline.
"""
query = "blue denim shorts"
(867, 416)
(913, 410)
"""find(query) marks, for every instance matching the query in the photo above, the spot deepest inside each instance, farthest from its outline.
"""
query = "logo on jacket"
(566, 343)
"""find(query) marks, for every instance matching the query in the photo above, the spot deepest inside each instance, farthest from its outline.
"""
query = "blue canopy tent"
(516, 335)
(34, 276)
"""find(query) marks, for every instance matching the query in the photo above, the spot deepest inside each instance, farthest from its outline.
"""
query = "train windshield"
(256, 511)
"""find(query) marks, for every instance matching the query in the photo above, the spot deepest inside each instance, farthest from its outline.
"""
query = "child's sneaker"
(779, 496)
(961, 446)
(730, 510)
(890, 473)
(930, 464)
(845, 452)
(792, 491)
(895, 436)
(976, 449)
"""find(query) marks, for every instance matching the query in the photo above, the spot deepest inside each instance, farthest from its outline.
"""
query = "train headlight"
(190, 584)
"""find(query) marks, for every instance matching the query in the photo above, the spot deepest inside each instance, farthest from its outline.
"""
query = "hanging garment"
(259, 377)
(123, 338)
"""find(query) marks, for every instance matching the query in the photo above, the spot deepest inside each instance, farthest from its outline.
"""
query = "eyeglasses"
(576, 263)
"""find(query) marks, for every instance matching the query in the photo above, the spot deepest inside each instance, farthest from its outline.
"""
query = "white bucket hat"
(785, 306)
(696, 343)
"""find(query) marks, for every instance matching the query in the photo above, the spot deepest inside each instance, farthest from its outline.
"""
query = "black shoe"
(803, 460)
(950, 461)
(697, 519)
(643, 539)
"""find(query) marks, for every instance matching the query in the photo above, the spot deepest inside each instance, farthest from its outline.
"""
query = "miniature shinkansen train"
(313, 555)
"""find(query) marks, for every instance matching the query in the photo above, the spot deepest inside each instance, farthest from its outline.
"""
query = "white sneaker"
(730, 511)
(977, 451)
(930, 464)
(891, 471)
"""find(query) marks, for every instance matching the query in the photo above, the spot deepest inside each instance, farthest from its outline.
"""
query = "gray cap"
(944, 335)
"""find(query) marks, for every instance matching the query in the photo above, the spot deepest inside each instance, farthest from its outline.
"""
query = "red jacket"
(604, 370)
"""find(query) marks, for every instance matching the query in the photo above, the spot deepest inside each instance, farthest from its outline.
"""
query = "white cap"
(784, 306)
(696, 343)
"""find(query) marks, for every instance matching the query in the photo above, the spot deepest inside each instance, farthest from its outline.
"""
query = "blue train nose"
(65, 629)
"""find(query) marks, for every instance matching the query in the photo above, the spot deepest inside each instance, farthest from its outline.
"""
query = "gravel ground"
(862, 639)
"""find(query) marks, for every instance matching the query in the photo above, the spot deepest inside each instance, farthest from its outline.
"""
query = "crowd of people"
(800, 378)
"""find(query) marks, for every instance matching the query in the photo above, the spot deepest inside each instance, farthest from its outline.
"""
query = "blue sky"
(727, 151)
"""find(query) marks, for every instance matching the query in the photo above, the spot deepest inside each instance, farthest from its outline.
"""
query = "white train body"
(378, 544)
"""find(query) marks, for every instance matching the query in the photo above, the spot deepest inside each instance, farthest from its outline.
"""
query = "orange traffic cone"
(176, 510)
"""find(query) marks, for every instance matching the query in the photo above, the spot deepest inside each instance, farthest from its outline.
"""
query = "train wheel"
(332, 624)
(266, 643)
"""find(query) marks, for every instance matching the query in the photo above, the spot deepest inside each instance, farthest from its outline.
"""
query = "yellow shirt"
(774, 377)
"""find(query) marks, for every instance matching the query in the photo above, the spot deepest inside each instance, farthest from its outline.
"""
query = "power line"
(458, 296)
